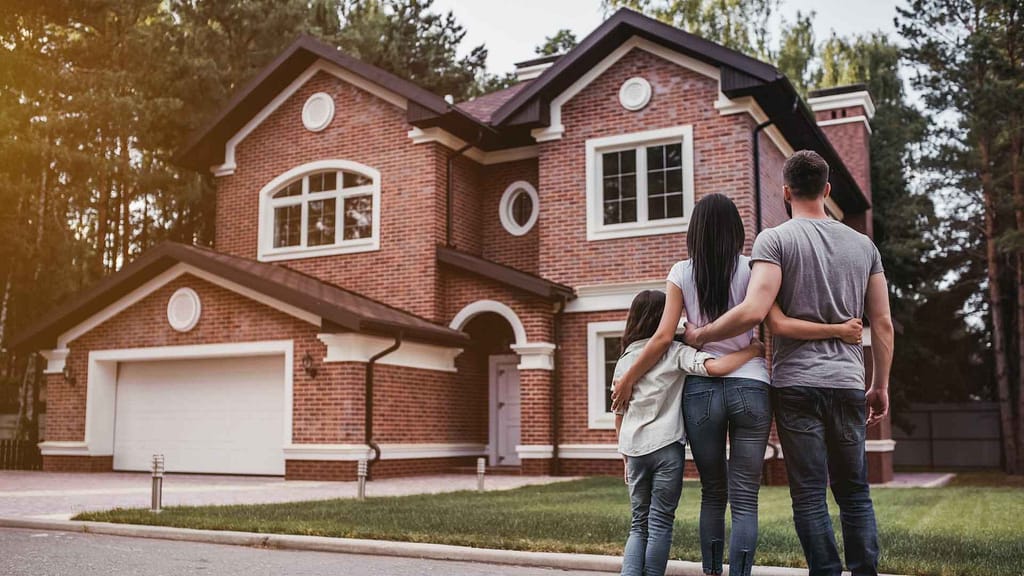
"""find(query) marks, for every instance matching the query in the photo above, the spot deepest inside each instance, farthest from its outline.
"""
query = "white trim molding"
(55, 360)
(598, 418)
(589, 452)
(747, 105)
(481, 306)
(66, 448)
(266, 252)
(487, 158)
(535, 452)
(507, 202)
(635, 93)
(847, 120)
(555, 129)
(887, 445)
(354, 347)
(163, 279)
(845, 100)
(186, 297)
(101, 391)
(531, 72)
(638, 141)
(314, 119)
(865, 339)
(355, 452)
(535, 355)
(833, 209)
(604, 297)
(229, 165)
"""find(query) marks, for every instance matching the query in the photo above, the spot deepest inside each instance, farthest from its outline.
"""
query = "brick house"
(420, 283)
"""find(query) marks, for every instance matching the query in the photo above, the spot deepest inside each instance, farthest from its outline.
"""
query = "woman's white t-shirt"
(682, 276)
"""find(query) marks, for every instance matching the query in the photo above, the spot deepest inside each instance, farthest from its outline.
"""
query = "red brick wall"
(773, 200)
(722, 163)
(365, 129)
(852, 142)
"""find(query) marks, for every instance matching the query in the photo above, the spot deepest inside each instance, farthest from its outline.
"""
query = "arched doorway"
(490, 363)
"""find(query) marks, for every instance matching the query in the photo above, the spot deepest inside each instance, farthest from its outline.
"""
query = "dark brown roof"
(339, 309)
(483, 107)
(205, 147)
(845, 89)
(741, 76)
(504, 274)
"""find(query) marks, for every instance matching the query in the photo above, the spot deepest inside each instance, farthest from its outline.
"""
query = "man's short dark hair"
(806, 174)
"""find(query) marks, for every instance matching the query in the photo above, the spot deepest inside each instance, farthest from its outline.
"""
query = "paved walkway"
(918, 480)
(62, 495)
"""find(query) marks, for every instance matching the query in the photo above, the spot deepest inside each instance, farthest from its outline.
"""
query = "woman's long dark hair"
(714, 241)
(644, 316)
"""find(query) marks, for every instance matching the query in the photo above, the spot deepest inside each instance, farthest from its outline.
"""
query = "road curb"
(591, 562)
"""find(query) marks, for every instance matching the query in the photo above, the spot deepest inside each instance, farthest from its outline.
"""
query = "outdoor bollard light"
(481, 467)
(361, 475)
(158, 482)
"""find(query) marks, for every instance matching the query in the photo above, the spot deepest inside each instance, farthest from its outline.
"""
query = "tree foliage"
(559, 43)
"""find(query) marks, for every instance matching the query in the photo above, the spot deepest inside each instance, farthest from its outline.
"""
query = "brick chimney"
(844, 114)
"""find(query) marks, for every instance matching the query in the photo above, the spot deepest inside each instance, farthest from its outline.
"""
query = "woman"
(737, 405)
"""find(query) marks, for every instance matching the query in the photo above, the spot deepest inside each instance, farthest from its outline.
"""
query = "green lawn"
(968, 529)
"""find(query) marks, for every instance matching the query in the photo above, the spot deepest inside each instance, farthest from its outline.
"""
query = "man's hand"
(878, 405)
(692, 335)
(621, 394)
(757, 347)
(625, 469)
(851, 331)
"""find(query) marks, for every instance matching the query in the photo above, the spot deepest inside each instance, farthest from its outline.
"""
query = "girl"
(736, 404)
(651, 436)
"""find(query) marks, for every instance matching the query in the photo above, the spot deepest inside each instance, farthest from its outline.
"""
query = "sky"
(512, 28)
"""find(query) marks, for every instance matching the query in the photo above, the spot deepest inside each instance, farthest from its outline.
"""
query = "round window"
(519, 208)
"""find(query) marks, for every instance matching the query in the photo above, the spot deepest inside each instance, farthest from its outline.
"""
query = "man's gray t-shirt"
(825, 270)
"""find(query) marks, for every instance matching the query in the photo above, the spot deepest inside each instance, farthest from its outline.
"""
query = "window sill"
(369, 245)
(617, 231)
(604, 421)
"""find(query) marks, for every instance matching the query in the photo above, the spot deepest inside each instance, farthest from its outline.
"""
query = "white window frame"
(597, 418)
(266, 252)
(505, 207)
(595, 147)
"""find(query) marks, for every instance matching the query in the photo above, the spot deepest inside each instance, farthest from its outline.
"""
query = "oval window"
(519, 207)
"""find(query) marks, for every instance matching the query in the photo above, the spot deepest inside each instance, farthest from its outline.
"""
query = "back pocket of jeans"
(756, 403)
(697, 406)
(854, 417)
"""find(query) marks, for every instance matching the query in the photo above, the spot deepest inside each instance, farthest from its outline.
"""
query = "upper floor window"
(326, 207)
(640, 184)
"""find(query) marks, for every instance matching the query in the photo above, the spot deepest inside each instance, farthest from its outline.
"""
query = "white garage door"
(223, 415)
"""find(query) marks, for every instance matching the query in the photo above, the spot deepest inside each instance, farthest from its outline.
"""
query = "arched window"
(327, 207)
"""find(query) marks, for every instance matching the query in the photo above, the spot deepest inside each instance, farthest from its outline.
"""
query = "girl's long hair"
(714, 241)
(644, 316)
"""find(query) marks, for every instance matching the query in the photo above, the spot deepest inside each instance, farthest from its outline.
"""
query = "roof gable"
(304, 296)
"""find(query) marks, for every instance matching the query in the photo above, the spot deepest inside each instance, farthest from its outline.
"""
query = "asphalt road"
(40, 553)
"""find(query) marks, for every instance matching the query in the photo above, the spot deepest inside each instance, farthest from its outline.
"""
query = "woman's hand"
(851, 331)
(621, 394)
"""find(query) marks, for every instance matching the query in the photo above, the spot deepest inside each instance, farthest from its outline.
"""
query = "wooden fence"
(943, 436)
(20, 455)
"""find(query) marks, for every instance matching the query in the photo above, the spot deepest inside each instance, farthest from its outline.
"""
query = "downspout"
(368, 402)
(757, 174)
(449, 193)
(556, 390)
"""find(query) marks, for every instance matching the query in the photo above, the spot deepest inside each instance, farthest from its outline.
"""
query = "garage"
(210, 415)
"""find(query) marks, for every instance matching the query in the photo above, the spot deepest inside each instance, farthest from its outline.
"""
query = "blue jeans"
(822, 432)
(655, 483)
(741, 407)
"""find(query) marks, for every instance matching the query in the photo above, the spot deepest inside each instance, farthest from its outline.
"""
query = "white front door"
(504, 410)
(221, 416)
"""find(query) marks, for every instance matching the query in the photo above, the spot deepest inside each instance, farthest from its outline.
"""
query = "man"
(819, 269)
